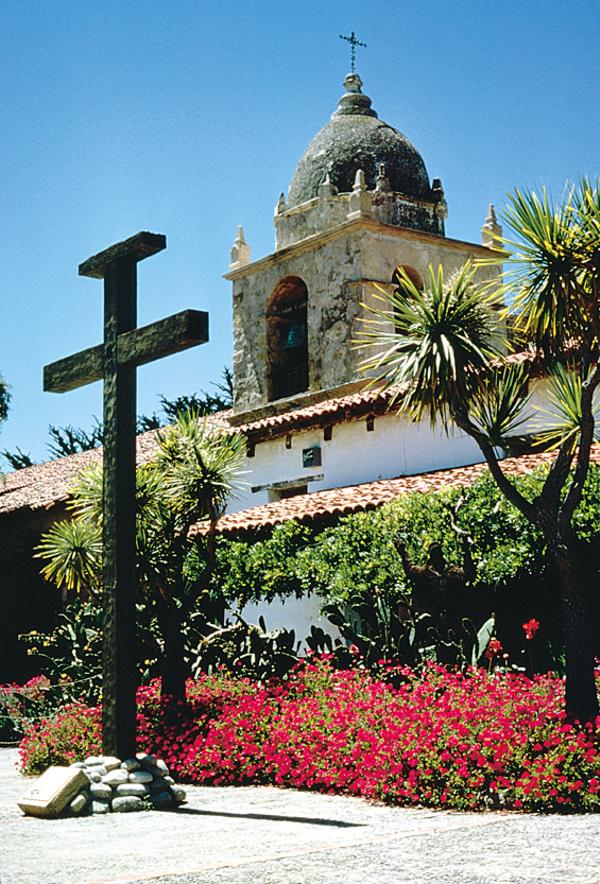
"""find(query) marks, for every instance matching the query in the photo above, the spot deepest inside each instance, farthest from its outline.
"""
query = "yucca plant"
(431, 345)
(439, 350)
(190, 481)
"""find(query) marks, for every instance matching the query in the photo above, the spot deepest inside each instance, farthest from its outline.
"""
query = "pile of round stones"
(140, 783)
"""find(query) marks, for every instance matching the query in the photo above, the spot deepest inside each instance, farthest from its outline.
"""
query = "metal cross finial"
(352, 40)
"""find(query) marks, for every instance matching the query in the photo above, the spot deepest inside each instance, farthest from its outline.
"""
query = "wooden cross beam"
(115, 361)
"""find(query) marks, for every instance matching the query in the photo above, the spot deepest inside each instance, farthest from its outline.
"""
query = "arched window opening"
(287, 339)
(413, 275)
(399, 284)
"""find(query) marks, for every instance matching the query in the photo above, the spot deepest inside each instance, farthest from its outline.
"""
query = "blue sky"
(188, 118)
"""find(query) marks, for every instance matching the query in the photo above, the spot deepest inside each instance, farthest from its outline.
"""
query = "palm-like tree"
(195, 472)
(441, 351)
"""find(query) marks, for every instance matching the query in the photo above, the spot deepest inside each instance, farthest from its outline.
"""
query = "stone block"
(145, 759)
(115, 777)
(111, 762)
(53, 791)
(100, 806)
(140, 776)
(178, 794)
(79, 802)
(136, 789)
(127, 803)
(131, 764)
(100, 790)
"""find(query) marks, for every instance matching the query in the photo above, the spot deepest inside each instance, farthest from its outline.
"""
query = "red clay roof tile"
(333, 502)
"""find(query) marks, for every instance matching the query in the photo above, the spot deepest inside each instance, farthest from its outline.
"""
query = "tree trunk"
(173, 666)
(581, 694)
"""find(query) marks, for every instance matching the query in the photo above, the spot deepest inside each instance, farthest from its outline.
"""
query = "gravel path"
(275, 836)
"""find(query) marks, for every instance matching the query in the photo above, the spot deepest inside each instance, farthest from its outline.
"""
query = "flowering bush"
(21, 705)
(438, 738)
(70, 735)
(530, 628)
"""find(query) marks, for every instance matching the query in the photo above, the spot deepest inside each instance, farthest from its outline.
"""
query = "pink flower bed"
(438, 738)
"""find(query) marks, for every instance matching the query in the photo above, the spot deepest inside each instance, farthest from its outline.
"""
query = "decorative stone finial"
(360, 199)
(360, 182)
(437, 189)
(326, 188)
(439, 199)
(491, 230)
(281, 205)
(353, 82)
(240, 251)
(382, 183)
(353, 101)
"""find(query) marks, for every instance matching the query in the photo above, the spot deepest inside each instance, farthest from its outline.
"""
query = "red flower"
(530, 628)
(494, 647)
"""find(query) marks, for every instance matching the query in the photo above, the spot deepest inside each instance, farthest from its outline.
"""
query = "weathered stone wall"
(330, 270)
(322, 213)
(339, 268)
(329, 210)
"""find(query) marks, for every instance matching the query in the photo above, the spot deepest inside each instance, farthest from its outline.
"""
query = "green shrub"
(262, 570)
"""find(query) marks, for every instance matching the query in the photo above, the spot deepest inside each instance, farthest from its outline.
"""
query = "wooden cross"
(352, 40)
(115, 361)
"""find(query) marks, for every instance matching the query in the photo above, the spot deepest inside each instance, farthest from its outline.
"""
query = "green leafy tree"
(18, 459)
(203, 402)
(190, 482)
(440, 350)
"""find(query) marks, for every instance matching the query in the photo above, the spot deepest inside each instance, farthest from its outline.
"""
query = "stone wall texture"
(340, 268)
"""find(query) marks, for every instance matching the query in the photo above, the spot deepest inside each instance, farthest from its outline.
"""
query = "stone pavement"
(274, 836)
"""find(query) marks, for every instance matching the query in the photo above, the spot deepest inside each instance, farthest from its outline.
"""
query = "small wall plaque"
(311, 457)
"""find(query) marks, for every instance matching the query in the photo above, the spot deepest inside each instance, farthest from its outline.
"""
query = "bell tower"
(360, 204)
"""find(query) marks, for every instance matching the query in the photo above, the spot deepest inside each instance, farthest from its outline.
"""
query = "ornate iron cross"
(115, 362)
(352, 40)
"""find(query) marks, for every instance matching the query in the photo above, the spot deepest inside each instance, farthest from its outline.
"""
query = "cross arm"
(137, 347)
(163, 338)
(139, 246)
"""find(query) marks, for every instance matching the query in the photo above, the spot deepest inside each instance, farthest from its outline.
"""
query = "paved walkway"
(274, 836)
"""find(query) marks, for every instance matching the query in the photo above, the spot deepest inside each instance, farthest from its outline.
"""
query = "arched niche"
(414, 276)
(399, 285)
(287, 338)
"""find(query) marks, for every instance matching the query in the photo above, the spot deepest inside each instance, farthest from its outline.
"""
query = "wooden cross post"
(115, 361)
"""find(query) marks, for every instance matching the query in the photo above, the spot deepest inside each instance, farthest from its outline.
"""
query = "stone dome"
(355, 139)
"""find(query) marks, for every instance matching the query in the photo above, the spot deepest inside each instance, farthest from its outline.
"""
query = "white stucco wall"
(353, 455)
(291, 613)
(394, 447)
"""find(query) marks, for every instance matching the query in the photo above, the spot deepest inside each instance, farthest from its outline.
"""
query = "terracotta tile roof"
(371, 401)
(44, 485)
(328, 411)
(334, 502)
